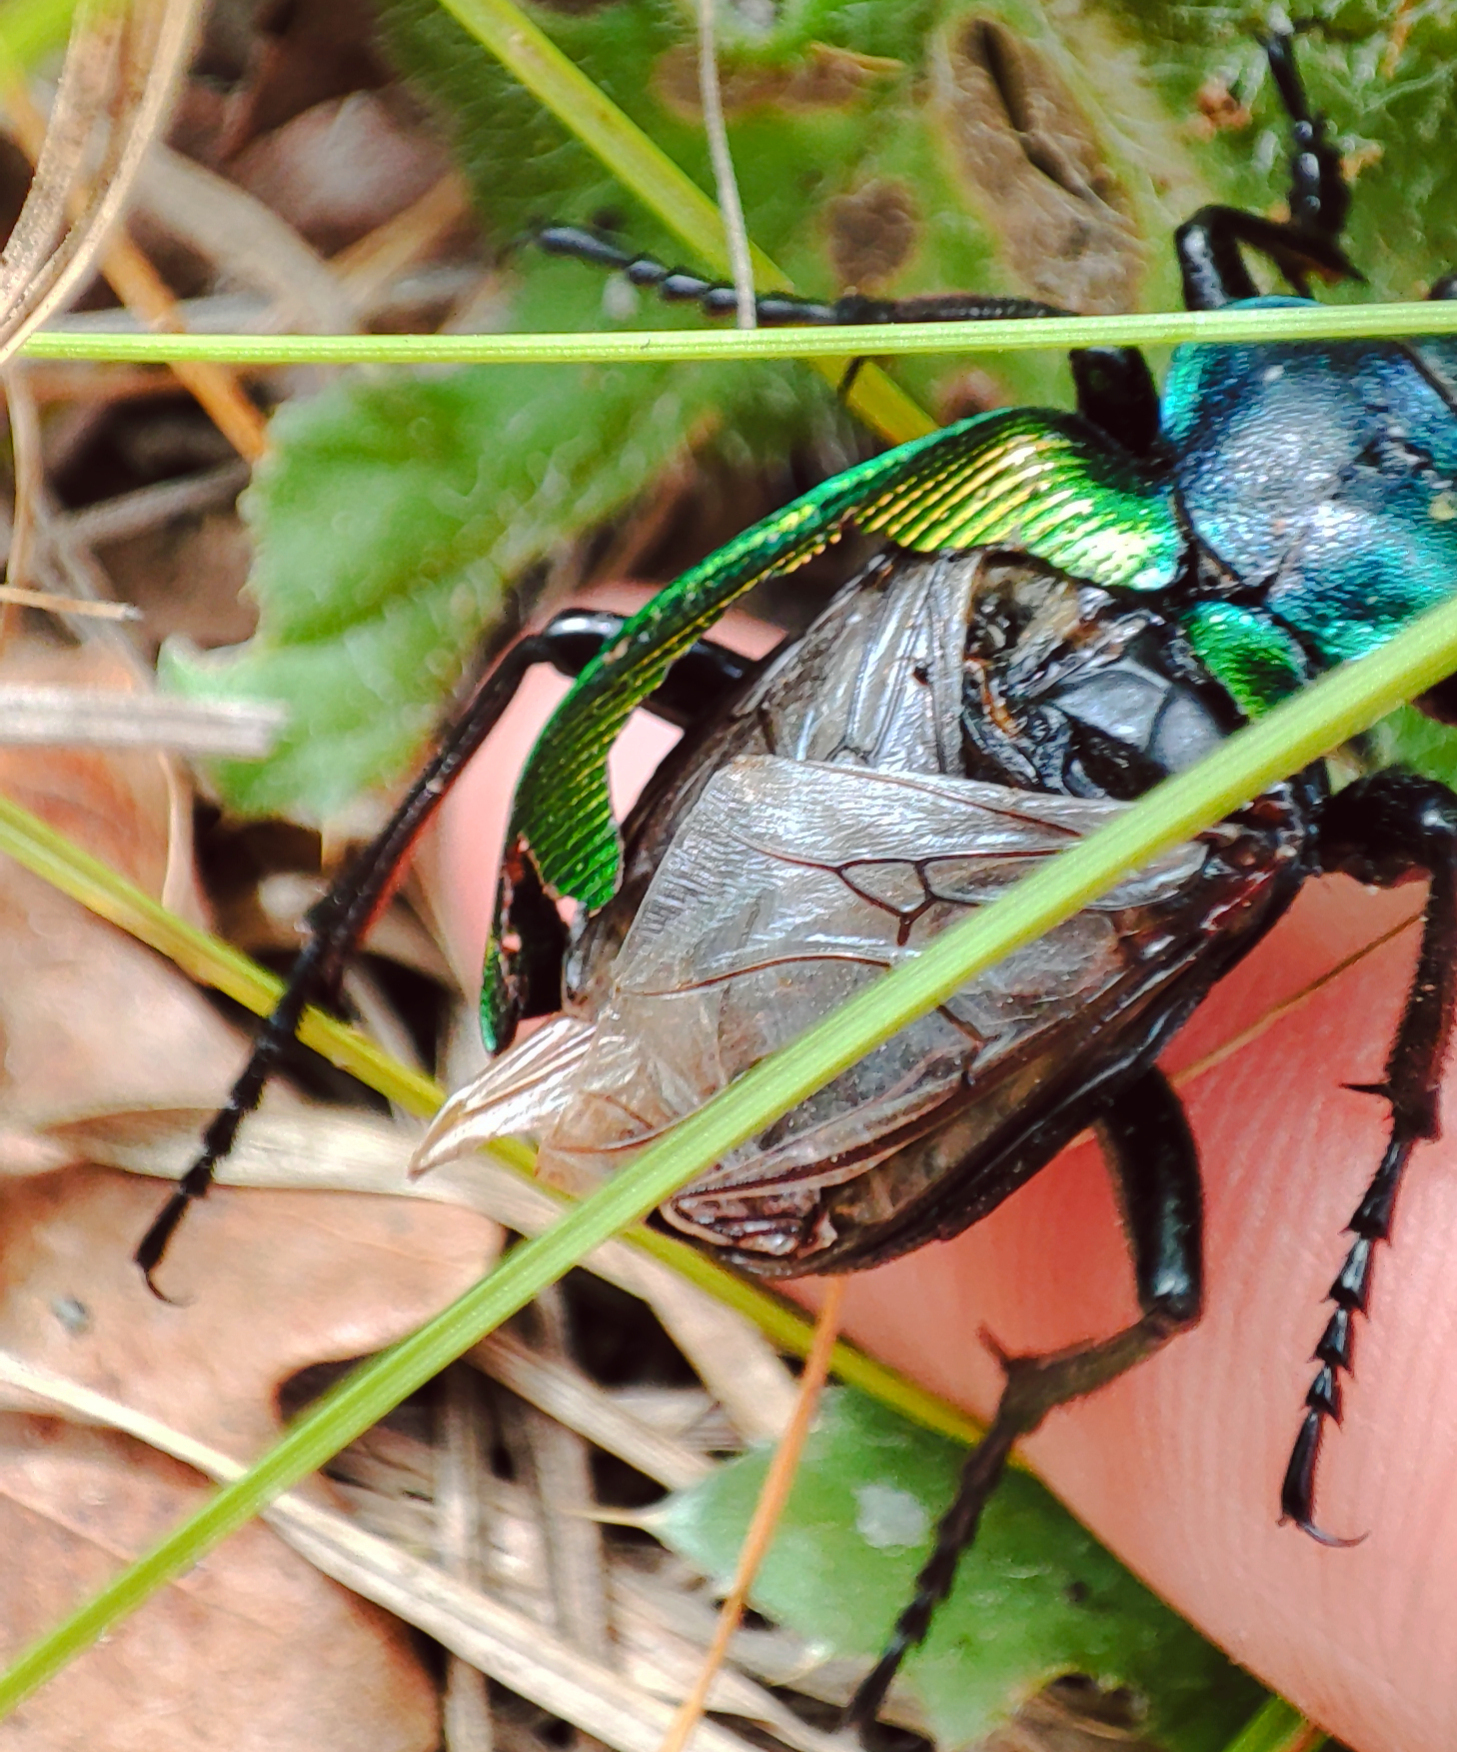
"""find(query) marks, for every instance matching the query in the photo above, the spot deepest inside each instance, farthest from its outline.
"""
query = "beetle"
(1069, 607)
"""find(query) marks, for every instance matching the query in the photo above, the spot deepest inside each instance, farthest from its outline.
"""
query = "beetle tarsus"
(1297, 1493)
(979, 1478)
(1380, 830)
(1210, 244)
(154, 1243)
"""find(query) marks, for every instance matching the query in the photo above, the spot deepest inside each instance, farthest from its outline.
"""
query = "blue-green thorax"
(1323, 478)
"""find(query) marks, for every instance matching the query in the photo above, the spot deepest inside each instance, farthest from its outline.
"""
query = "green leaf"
(1038, 1598)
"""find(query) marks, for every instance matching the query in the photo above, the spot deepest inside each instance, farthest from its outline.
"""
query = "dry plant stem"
(513, 1648)
(561, 1391)
(464, 1442)
(736, 236)
(247, 242)
(575, 1556)
(142, 290)
(48, 600)
(778, 1482)
(367, 267)
(216, 388)
(85, 717)
(145, 508)
(25, 445)
(121, 68)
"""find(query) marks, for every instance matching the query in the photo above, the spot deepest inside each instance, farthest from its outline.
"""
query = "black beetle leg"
(1116, 391)
(1381, 830)
(694, 685)
(680, 285)
(1319, 196)
(1146, 1139)
(1208, 244)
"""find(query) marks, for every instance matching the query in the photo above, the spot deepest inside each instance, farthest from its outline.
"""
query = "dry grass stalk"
(121, 68)
(778, 1482)
(21, 597)
(144, 292)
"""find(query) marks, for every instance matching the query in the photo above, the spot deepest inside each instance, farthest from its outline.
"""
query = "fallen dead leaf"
(88, 1017)
(341, 168)
(252, 1650)
(267, 1284)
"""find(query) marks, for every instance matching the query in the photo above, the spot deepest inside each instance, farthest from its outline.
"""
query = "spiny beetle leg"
(1208, 244)
(1380, 830)
(1146, 1139)
(694, 685)
(1319, 196)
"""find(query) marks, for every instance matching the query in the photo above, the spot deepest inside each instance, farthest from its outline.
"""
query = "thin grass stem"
(1317, 322)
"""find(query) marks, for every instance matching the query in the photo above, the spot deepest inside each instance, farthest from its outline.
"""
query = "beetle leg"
(1208, 245)
(1319, 196)
(695, 684)
(1116, 391)
(1146, 1139)
(1380, 830)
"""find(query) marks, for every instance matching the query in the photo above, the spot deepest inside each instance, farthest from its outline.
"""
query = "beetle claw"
(1382, 1091)
(1321, 1537)
(161, 1295)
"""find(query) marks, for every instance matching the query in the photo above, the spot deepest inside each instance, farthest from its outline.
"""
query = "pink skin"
(1178, 1466)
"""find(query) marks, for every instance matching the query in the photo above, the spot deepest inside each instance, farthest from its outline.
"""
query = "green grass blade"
(560, 86)
(1332, 710)
(1324, 322)
(1278, 1727)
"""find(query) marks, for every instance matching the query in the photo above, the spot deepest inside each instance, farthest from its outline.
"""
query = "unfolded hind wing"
(790, 886)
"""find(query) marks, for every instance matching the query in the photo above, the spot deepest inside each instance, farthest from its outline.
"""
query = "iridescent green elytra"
(1034, 480)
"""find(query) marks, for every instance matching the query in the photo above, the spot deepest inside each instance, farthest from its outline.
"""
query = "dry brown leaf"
(87, 1016)
(252, 1650)
(273, 1281)
(341, 168)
